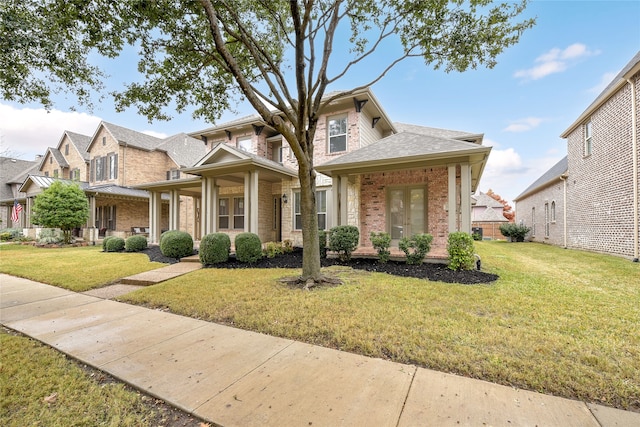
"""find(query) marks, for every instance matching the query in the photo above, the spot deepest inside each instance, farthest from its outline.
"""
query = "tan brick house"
(373, 173)
(599, 189)
(13, 172)
(107, 165)
(487, 216)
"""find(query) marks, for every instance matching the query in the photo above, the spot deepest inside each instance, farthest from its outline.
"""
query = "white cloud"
(523, 125)
(556, 61)
(160, 135)
(26, 132)
(604, 82)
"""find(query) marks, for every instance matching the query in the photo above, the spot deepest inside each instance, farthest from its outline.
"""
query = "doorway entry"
(406, 212)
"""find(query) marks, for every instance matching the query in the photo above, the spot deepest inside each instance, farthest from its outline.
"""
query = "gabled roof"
(489, 215)
(184, 150)
(484, 199)
(44, 182)
(627, 71)
(57, 155)
(553, 174)
(440, 133)
(129, 137)
(81, 142)
(13, 171)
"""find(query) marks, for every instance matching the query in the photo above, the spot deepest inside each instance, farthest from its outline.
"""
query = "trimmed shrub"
(10, 234)
(271, 249)
(343, 239)
(322, 241)
(416, 248)
(381, 243)
(515, 232)
(214, 248)
(50, 235)
(248, 247)
(115, 244)
(460, 249)
(287, 246)
(176, 244)
(135, 244)
(104, 242)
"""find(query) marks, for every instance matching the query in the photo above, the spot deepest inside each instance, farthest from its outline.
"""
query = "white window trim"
(588, 139)
(297, 196)
(346, 133)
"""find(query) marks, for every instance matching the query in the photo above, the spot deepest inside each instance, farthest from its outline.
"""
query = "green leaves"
(61, 206)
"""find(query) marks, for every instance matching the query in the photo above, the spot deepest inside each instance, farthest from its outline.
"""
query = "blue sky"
(539, 87)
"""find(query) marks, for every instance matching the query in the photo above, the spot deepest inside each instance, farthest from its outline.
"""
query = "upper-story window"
(75, 174)
(55, 173)
(553, 211)
(173, 174)
(588, 139)
(276, 152)
(104, 140)
(50, 160)
(113, 166)
(337, 134)
(66, 150)
(244, 143)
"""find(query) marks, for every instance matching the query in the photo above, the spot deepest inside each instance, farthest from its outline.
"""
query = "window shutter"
(115, 168)
(92, 168)
(168, 175)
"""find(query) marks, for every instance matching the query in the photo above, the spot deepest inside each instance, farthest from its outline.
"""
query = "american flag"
(15, 212)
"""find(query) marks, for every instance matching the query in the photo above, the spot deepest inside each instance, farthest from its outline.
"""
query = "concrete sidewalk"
(234, 377)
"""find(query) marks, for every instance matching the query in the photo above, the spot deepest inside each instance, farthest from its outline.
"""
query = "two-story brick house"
(107, 165)
(13, 172)
(596, 188)
(373, 173)
(487, 215)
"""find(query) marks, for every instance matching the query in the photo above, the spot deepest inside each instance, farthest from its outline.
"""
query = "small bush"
(514, 231)
(271, 249)
(10, 234)
(343, 239)
(416, 248)
(104, 242)
(248, 247)
(214, 248)
(322, 241)
(476, 236)
(115, 244)
(460, 249)
(381, 243)
(135, 244)
(287, 246)
(176, 244)
(49, 235)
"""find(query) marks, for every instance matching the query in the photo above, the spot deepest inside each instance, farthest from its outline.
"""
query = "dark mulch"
(434, 272)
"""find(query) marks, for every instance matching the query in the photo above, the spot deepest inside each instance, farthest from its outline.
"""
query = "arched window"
(553, 211)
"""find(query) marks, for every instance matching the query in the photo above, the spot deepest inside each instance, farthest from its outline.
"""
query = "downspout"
(634, 154)
(564, 177)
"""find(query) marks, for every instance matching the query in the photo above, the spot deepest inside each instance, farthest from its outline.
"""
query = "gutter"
(564, 178)
(634, 154)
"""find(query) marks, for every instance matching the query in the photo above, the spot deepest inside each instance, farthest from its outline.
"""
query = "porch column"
(247, 196)
(335, 205)
(465, 198)
(344, 201)
(451, 198)
(91, 221)
(155, 216)
(254, 207)
(208, 205)
(27, 212)
(197, 208)
(174, 210)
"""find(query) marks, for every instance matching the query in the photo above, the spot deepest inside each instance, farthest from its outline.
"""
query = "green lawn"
(557, 321)
(74, 268)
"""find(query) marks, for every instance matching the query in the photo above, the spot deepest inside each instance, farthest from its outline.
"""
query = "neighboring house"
(107, 165)
(12, 174)
(372, 173)
(487, 216)
(596, 187)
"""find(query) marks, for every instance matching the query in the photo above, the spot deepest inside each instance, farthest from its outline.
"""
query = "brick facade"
(532, 210)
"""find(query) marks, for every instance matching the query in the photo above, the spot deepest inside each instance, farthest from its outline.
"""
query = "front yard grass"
(557, 321)
(75, 268)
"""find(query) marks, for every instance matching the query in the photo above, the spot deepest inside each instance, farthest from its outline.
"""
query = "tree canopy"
(62, 206)
(278, 55)
(508, 211)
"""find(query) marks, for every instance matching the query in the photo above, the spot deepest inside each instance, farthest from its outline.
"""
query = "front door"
(406, 212)
(277, 214)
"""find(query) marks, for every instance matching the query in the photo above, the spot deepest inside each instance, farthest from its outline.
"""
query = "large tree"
(276, 54)
(62, 206)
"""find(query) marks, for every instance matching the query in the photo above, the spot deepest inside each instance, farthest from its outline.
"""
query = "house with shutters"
(106, 166)
(591, 199)
(372, 173)
(13, 172)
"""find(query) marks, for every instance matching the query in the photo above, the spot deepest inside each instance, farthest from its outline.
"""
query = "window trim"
(297, 209)
(553, 211)
(547, 220)
(346, 133)
(242, 139)
(587, 148)
(227, 215)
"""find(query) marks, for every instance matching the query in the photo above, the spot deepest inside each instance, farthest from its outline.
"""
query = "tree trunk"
(311, 255)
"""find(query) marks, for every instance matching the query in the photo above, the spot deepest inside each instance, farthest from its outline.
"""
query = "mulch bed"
(429, 271)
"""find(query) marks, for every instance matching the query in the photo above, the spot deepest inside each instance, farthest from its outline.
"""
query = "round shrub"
(416, 248)
(343, 239)
(135, 244)
(104, 242)
(460, 249)
(214, 248)
(115, 244)
(248, 247)
(176, 244)
(381, 243)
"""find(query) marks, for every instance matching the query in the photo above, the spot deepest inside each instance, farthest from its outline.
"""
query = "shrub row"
(514, 231)
(118, 244)
(215, 248)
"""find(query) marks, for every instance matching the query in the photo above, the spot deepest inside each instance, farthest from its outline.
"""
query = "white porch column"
(91, 221)
(254, 206)
(451, 202)
(465, 198)
(174, 210)
(155, 216)
(247, 197)
(27, 212)
(208, 205)
(344, 200)
(335, 205)
(197, 208)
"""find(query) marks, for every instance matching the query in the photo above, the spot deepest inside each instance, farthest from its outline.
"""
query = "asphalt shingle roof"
(552, 174)
(183, 149)
(14, 171)
(132, 137)
(437, 132)
(483, 199)
(81, 142)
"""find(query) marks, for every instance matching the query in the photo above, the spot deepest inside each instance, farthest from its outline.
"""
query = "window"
(337, 134)
(100, 168)
(104, 140)
(173, 174)
(106, 217)
(50, 160)
(238, 212)
(553, 211)
(244, 144)
(276, 152)
(321, 206)
(546, 220)
(75, 175)
(588, 139)
(66, 150)
(533, 221)
(223, 213)
(46, 173)
(113, 166)
(55, 173)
